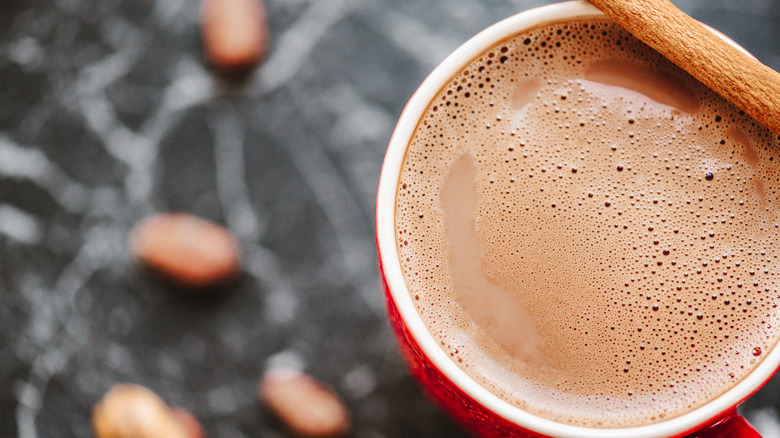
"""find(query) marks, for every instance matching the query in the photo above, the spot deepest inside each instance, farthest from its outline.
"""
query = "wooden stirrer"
(743, 80)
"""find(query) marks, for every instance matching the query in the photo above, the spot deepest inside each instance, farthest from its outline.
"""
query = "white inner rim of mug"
(385, 229)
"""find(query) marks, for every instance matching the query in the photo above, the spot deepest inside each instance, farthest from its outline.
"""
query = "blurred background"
(109, 113)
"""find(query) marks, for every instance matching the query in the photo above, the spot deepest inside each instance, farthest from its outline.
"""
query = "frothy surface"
(618, 208)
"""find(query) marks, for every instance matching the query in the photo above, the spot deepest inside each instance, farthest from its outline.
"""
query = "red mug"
(472, 405)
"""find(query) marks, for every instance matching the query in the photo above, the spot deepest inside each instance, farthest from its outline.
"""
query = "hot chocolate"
(589, 232)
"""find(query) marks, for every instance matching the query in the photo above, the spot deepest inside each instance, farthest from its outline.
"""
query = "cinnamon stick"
(743, 80)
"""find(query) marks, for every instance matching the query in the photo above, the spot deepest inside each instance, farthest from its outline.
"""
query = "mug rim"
(399, 292)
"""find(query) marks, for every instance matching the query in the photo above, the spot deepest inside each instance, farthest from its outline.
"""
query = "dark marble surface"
(108, 113)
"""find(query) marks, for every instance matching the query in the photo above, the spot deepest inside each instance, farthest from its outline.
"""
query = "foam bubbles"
(635, 227)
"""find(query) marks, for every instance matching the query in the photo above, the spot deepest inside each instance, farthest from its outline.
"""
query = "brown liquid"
(564, 240)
